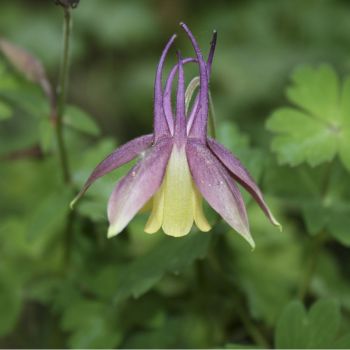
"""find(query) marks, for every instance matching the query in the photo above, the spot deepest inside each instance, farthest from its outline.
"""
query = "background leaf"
(5, 111)
(174, 255)
(81, 121)
(311, 132)
(318, 329)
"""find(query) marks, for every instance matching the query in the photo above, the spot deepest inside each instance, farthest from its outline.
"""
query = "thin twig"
(62, 92)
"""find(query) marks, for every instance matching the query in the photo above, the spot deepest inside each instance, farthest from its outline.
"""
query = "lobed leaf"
(317, 329)
(317, 128)
(169, 255)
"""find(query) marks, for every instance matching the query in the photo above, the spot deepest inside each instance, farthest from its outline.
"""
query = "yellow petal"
(177, 203)
(199, 217)
(155, 220)
(147, 207)
(178, 195)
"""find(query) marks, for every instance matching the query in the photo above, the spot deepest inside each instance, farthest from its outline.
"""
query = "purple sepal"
(138, 186)
(217, 187)
(180, 121)
(120, 156)
(199, 127)
(195, 108)
(167, 94)
(161, 127)
(241, 175)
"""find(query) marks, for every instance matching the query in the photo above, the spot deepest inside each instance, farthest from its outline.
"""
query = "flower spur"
(179, 164)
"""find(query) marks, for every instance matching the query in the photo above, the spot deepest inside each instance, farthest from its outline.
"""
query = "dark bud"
(67, 3)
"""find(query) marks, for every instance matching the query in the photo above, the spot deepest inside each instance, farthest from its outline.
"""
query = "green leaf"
(81, 121)
(169, 255)
(316, 91)
(344, 144)
(316, 330)
(279, 254)
(91, 325)
(49, 215)
(342, 343)
(10, 302)
(5, 111)
(290, 329)
(316, 216)
(339, 224)
(324, 321)
(328, 207)
(329, 280)
(239, 346)
(46, 134)
(318, 127)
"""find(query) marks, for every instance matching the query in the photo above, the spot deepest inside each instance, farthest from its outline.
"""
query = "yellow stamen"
(177, 203)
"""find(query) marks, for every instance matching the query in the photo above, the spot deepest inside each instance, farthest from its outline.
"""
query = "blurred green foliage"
(63, 284)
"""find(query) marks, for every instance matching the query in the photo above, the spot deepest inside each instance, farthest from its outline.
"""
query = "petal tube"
(180, 121)
(134, 190)
(120, 156)
(199, 127)
(240, 174)
(195, 106)
(211, 52)
(167, 94)
(218, 188)
(161, 127)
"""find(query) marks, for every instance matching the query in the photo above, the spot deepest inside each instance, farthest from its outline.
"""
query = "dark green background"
(63, 284)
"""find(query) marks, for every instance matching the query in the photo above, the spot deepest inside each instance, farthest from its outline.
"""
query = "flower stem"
(251, 329)
(62, 92)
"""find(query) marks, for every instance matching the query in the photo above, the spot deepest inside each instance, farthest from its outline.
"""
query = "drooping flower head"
(179, 164)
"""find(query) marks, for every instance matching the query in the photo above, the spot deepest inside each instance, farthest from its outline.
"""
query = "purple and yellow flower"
(179, 164)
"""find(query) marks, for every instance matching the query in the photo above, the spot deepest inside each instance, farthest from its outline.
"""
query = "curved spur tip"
(277, 224)
(73, 202)
(184, 26)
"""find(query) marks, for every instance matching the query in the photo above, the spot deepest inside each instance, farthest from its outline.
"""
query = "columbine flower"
(179, 164)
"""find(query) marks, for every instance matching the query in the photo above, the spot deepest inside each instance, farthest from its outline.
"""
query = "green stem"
(252, 330)
(62, 92)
